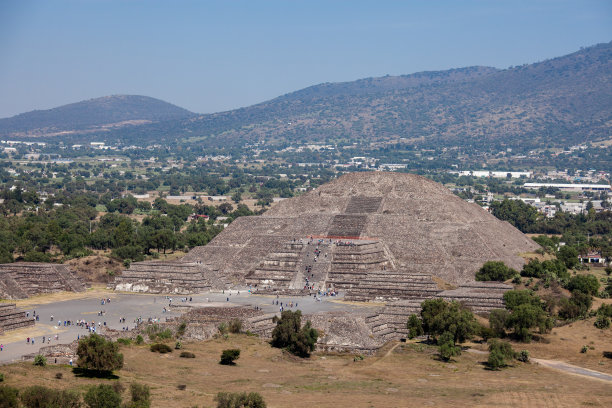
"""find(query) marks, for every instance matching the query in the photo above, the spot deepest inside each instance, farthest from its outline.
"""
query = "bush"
(499, 353)
(239, 400)
(523, 356)
(102, 396)
(125, 342)
(414, 326)
(181, 387)
(584, 349)
(9, 397)
(576, 306)
(222, 328)
(139, 340)
(447, 346)
(439, 316)
(38, 397)
(178, 345)
(497, 322)
(40, 360)
(59, 376)
(140, 395)
(180, 331)
(605, 310)
(495, 271)
(235, 326)
(289, 334)
(187, 354)
(584, 283)
(1, 377)
(602, 322)
(161, 348)
(228, 356)
(97, 354)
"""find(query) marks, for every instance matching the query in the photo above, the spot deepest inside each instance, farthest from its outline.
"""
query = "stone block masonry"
(20, 280)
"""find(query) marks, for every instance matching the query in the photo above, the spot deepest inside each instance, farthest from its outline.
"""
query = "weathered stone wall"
(20, 280)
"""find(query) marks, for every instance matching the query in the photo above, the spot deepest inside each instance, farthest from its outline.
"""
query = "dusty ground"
(96, 268)
(407, 375)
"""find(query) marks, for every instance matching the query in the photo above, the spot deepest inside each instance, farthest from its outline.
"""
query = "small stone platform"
(21, 280)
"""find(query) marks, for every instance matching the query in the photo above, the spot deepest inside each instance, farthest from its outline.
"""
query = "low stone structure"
(12, 318)
(165, 277)
(20, 280)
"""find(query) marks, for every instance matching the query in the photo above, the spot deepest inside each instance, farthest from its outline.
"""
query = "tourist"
(1, 347)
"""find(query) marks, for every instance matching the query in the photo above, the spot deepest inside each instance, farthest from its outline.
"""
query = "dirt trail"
(561, 366)
(572, 369)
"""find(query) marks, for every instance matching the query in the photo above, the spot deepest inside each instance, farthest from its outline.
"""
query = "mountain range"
(557, 102)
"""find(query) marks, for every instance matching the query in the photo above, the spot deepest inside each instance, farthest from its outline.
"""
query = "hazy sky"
(213, 56)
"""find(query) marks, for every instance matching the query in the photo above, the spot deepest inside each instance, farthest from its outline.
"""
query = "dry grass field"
(401, 375)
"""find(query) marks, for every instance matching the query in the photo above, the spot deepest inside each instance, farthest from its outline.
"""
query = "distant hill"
(557, 102)
(92, 115)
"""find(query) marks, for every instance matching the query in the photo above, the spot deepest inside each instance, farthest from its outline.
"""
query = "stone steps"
(12, 318)
(24, 279)
(172, 277)
(349, 226)
(361, 205)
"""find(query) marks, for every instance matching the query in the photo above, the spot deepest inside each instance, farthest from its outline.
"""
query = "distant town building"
(569, 187)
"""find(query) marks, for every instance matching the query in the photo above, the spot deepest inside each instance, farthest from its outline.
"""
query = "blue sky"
(214, 56)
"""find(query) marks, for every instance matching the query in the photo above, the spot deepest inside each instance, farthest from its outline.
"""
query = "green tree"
(447, 347)
(439, 316)
(568, 255)
(102, 396)
(584, 283)
(289, 334)
(497, 321)
(414, 326)
(495, 271)
(229, 356)
(97, 354)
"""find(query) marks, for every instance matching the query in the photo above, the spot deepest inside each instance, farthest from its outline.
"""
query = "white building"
(569, 187)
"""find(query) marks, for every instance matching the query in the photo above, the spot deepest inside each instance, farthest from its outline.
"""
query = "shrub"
(228, 356)
(9, 397)
(125, 342)
(439, 316)
(97, 354)
(102, 396)
(602, 322)
(584, 349)
(181, 387)
(523, 356)
(576, 306)
(139, 339)
(235, 326)
(497, 321)
(178, 345)
(161, 348)
(605, 310)
(584, 283)
(499, 353)
(1, 377)
(180, 331)
(38, 396)
(187, 354)
(238, 400)
(222, 328)
(59, 376)
(495, 271)
(414, 326)
(140, 396)
(289, 334)
(40, 360)
(447, 346)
